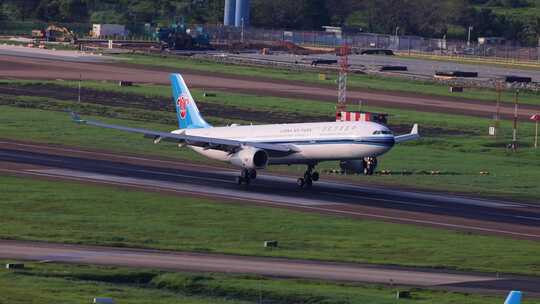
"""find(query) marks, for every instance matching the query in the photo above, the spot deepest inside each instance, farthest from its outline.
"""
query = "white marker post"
(536, 118)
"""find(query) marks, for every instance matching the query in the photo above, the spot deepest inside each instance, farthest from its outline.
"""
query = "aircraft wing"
(408, 137)
(228, 145)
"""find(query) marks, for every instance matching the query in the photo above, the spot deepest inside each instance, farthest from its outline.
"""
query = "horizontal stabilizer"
(408, 137)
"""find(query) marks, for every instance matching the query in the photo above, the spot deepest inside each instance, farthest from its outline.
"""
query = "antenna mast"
(343, 53)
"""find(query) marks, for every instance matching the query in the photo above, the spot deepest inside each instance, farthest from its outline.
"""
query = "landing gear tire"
(246, 176)
(309, 178)
(252, 174)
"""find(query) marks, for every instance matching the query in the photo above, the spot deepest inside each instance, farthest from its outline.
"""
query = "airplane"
(356, 144)
(514, 297)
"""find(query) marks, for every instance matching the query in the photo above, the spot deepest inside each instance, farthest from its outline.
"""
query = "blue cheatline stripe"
(379, 142)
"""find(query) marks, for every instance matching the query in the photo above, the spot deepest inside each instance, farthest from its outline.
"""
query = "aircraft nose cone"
(387, 141)
(391, 141)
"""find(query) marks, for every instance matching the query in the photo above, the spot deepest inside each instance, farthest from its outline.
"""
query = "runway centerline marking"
(381, 200)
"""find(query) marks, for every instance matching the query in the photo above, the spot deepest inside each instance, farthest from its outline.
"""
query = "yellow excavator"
(55, 33)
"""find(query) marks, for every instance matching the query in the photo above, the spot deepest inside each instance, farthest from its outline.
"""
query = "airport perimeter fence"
(408, 45)
(412, 45)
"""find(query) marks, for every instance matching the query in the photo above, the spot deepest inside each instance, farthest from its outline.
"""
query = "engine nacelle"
(355, 166)
(250, 158)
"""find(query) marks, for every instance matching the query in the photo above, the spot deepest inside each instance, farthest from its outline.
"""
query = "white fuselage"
(314, 142)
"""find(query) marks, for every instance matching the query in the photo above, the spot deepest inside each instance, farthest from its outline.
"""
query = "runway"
(35, 68)
(327, 197)
(273, 267)
(52, 54)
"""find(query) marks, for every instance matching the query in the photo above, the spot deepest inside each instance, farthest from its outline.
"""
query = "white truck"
(107, 30)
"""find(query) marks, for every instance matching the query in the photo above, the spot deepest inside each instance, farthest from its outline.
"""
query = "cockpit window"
(378, 132)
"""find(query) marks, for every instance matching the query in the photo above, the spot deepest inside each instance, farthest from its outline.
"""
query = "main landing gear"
(309, 177)
(246, 176)
(370, 164)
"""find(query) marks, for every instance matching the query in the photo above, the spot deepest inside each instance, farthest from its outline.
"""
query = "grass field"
(82, 214)
(54, 283)
(268, 103)
(354, 80)
(454, 145)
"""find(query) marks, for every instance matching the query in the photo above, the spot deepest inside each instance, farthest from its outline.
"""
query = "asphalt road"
(417, 67)
(274, 267)
(34, 68)
(395, 205)
(59, 55)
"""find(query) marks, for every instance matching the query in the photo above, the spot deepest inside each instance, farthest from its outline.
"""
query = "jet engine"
(250, 158)
(364, 166)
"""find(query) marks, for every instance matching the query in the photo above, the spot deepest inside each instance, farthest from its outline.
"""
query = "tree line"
(428, 18)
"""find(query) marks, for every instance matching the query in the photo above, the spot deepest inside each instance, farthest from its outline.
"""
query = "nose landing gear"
(309, 177)
(370, 164)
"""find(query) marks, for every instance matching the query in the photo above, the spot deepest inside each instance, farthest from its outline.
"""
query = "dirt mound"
(293, 48)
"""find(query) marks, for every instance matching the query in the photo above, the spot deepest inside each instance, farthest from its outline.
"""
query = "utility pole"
(242, 32)
(79, 98)
(538, 52)
(536, 134)
(499, 87)
(469, 36)
(397, 38)
(536, 118)
(514, 132)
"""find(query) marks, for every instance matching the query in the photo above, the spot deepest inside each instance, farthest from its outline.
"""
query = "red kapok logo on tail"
(182, 102)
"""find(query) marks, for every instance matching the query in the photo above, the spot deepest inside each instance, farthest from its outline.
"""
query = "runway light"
(403, 295)
(14, 266)
(103, 301)
(270, 244)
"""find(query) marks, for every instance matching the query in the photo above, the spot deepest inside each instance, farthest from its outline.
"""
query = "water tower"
(236, 13)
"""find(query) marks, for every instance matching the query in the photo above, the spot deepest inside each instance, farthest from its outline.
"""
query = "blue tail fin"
(186, 109)
(514, 297)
